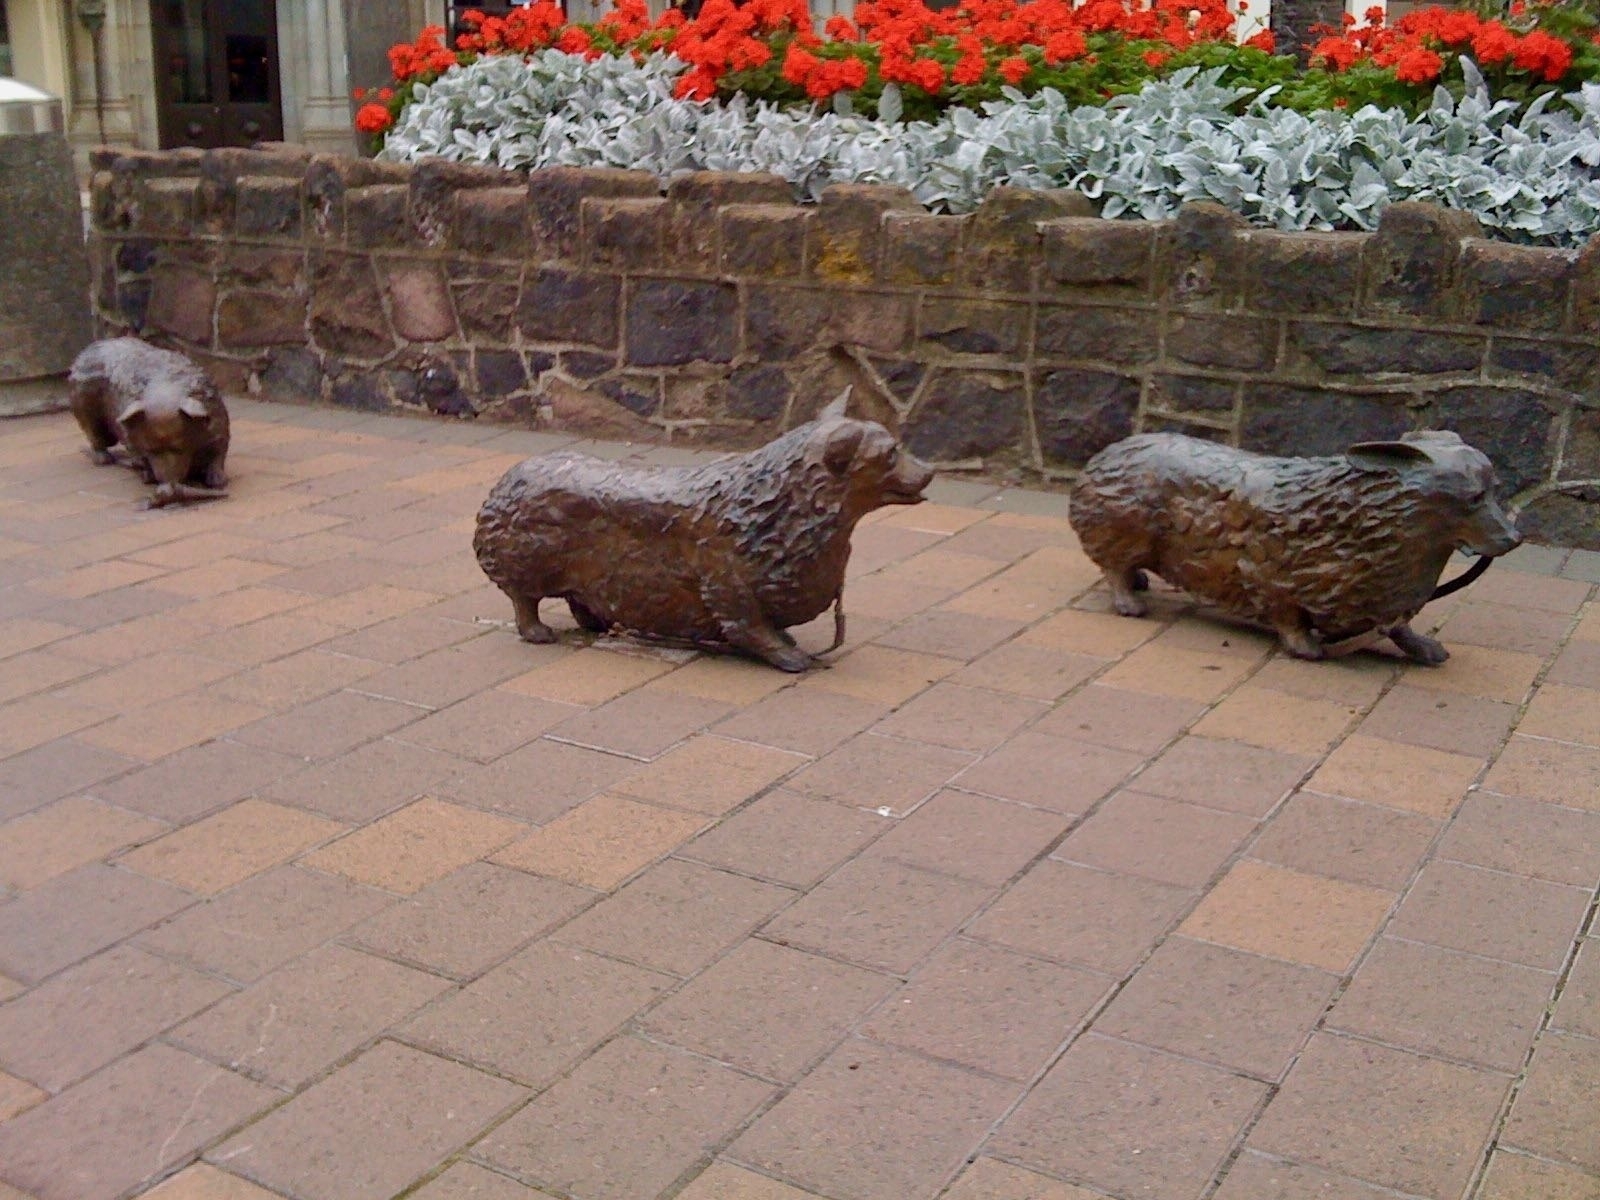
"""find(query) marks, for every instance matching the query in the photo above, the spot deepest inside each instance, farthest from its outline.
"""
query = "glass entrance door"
(217, 72)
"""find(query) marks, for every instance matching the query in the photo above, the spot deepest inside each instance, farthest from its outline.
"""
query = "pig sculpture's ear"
(193, 406)
(131, 415)
(841, 448)
(1386, 456)
(836, 406)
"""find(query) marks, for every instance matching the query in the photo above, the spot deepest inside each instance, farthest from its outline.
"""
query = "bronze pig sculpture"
(1321, 550)
(161, 407)
(723, 556)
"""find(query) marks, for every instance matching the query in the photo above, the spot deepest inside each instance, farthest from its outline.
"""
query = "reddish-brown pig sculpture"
(1319, 549)
(161, 407)
(728, 555)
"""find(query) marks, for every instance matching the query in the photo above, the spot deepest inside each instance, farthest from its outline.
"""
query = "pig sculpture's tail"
(1460, 581)
(838, 621)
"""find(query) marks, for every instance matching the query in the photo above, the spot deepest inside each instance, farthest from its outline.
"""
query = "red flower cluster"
(426, 56)
(1416, 46)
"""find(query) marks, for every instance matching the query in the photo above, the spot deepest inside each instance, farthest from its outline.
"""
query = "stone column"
(314, 74)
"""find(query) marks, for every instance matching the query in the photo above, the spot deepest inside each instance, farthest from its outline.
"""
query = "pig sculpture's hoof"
(1419, 647)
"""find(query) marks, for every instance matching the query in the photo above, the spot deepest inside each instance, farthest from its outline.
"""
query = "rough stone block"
(491, 221)
(435, 183)
(921, 248)
(486, 308)
(1205, 260)
(1517, 429)
(760, 392)
(260, 266)
(671, 322)
(1571, 365)
(1412, 262)
(329, 176)
(1563, 517)
(569, 306)
(974, 326)
(292, 373)
(419, 301)
(583, 364)
(1580, 459)
(1196, 394)
(846, 237)
(967, 414)
(500, 372)
(1236, 343)
(168, 206)
(763, 241)
(695, 197)
(1111, 259)
(1127, 337)
(782, 323)
(1294, 420)
(375, 216)
(1516, 287)
(268, 206)
(250, 317)
(555, 195)
(1585, 316)
(181, 303)
(1076, 414)
(363, 392)
(1355, 350)
(347, 315)
(626, 233)
(1303, 272)
(1003, 238)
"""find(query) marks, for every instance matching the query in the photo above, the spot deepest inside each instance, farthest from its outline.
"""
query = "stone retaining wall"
(1017, 340)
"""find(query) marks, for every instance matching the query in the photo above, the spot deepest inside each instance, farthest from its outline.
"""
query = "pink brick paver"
(316, 883)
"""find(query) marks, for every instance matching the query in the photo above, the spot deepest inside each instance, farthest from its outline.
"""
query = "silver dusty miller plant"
(1532, 174)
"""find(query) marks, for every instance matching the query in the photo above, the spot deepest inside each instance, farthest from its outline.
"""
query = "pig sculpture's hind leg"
(585, 616)
(86, 399)
(744, 626)
(1126, 583)
(529, 627)
(1295, 633)
(1418, 647)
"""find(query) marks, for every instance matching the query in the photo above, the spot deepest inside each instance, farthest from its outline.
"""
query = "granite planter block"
(671, 322)
(375, 216)
(1516, 287)
(844, 239)
(265, 267)
(921, 249)
(694, 200)
(1206, 256)
(783, 323)
(419, 300)
(625, 234)
(1125, 336)
(490, 221)
(964, 415)
(292, 374)
(758, 393)
(1294, 420)
(1234, 343)
(1412, 262)
(1513, 427)
(435, 184)
(556, 195)
(1106, 260)
(166, 206)
(248, 318)
(1341, 349)
(1002, 239)
(1077, 414)
(267, 206)
(764, 240)
(487, 308)
(1303, 272)
(961, 326)
(569, 306)
(182, 300)
(1194, 394)
(347, 314)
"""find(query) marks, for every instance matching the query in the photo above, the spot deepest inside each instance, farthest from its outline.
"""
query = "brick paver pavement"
(315, 882)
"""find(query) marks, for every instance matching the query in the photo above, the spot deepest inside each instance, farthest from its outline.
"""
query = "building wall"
(1020, 339)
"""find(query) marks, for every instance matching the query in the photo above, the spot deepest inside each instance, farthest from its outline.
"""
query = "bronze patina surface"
(161, 407)
(1321, 550)
(728, 555)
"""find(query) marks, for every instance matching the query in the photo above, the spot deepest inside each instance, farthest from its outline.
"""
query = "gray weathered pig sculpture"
(1319, 549)
(726, 555)
(161, 407)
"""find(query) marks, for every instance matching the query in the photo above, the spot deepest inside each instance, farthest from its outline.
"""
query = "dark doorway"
(217, 72)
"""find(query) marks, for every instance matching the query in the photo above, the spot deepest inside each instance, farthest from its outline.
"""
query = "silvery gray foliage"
(1533, 174)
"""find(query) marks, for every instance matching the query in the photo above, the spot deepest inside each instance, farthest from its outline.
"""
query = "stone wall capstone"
(1017, 340)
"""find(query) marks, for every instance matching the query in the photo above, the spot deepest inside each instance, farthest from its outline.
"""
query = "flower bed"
(1141, 109)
